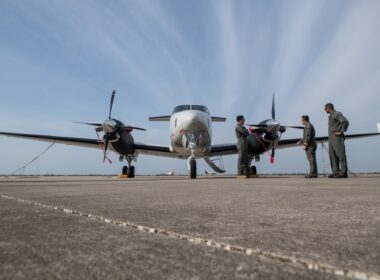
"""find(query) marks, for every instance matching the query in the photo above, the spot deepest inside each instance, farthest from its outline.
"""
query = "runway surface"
(175, 228)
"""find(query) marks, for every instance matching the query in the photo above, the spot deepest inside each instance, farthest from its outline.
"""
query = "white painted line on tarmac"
(308, 264)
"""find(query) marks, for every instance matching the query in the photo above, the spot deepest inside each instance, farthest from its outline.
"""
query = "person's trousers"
(337, 153)
(312, 158)
(243, 163)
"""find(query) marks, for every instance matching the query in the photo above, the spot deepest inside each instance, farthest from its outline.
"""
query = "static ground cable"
(37, 157)
(308, 264)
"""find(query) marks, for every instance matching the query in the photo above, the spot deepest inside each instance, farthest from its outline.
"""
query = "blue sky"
(60, 61)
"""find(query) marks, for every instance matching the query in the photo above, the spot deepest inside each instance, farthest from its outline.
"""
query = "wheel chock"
(247, 177)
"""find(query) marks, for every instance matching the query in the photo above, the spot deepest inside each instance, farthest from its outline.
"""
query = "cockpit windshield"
(181, 108)
(200, 108)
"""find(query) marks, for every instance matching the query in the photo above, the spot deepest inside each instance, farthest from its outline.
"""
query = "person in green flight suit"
(310, 146)
(338, 125)
(242, 146)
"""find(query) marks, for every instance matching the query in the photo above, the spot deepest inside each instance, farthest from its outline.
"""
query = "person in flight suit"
(310, 146)
(242, 146)
(338, 125)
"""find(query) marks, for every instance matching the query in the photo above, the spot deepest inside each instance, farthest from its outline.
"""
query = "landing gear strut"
(193, 169)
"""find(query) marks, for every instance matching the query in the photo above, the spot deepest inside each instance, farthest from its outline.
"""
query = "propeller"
(112, 128)
(272, 129)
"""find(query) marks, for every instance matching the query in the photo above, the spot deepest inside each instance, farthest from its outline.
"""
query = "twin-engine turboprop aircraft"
(190, 128)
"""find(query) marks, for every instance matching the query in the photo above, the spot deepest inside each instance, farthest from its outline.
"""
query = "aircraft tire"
(193, 169)
(131, 172)
(253, 170)
(124, 170)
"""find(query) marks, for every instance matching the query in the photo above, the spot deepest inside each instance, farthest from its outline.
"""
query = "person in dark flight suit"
(338, 125)
(310, 146)
(242, 146)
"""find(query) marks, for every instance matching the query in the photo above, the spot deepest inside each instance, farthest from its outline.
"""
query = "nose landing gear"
(192, 168)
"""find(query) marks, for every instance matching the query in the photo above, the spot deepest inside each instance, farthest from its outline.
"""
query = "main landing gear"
(130, 169)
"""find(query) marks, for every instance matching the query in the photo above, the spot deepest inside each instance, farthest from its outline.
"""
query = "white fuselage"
(190, 133)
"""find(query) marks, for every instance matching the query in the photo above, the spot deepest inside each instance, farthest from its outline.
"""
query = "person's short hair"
(239, 118)
(329, 105)
(305, 117)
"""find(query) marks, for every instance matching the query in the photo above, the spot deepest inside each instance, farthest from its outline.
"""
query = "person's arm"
(307, 136)
(343, 123)
(242, 130)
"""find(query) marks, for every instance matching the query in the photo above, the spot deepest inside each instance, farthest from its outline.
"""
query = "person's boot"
(311, 176)
(334, 175)
(343, 175)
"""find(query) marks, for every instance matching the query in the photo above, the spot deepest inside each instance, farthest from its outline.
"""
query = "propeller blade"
(273, 109)
(138, 128)
(272, 155)
(93, 124)
(106, 141)
(130, 128)
(257, 125)
(111, 104)
(294, 126)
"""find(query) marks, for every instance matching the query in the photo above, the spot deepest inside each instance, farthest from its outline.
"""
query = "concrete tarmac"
(280, 227)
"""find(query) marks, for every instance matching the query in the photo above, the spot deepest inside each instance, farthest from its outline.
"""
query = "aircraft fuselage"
(190, 130)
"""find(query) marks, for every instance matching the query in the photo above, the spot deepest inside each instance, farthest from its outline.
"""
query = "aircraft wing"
(154, 150)
(230, 149)
(83, 142)
(288, 143)
(91, 143)
(221, 150)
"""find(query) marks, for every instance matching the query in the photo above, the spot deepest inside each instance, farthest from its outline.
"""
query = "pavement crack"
(306, 263)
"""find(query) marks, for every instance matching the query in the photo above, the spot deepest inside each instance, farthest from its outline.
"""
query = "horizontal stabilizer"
(160, 119)
(218, 119)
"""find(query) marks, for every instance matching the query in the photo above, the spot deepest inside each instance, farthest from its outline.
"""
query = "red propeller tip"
(271, 160)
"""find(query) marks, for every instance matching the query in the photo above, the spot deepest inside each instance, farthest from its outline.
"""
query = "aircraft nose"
(195, 122)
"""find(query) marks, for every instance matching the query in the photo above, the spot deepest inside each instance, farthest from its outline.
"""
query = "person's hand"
(305, 147)
(299, 143)
(338, 133)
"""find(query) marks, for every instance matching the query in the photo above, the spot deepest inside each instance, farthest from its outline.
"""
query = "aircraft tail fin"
(378, 127)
